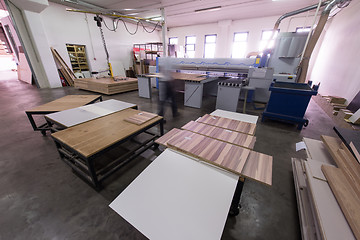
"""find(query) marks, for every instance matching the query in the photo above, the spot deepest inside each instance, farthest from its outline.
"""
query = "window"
(190, 46)
(239, 45)
(173, 40)
(210, 44)
(303, 29)
(265, 36)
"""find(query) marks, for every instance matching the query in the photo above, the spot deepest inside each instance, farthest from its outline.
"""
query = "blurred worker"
(167, 87)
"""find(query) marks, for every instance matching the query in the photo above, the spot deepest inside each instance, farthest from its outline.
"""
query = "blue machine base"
(286, 118)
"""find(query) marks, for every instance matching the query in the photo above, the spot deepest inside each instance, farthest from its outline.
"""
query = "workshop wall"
(225, 32)
(336, 66)
(64, 27)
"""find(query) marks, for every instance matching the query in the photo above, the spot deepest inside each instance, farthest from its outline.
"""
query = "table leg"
(235, 204)
(31, 119)
(245, 99)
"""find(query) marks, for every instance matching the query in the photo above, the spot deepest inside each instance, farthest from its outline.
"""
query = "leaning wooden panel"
(234, 125)
(345, 195)
(259, 167)
(332, 144)
(140, 118)
(93, 136)
(233, 137)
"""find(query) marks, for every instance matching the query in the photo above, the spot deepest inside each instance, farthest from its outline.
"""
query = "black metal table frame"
(44, 127)
(82, 165)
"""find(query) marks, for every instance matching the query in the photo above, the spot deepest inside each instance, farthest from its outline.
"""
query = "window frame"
(247, 39)
(186, 44)
(177, 40)
(207, 35)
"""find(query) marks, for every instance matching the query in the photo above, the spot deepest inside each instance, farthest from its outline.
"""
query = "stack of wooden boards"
(344, 181)
(336, 109)
(328, 196)
(68, 74)
(222, 142)
(140, 118)
(107, 85)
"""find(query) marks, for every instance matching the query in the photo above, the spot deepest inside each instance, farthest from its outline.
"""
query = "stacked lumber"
(344, 181)
(140, 118)
(63, 67)
(222, 146)
(337, 103)
(107, 85)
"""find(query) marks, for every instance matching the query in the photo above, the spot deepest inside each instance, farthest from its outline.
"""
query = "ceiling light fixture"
(210, 9)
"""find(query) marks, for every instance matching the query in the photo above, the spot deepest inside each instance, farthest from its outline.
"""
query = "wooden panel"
(188, 76)
(240, 139)
(233, 158)
(64, 103)
(166, 137)
(93, 136)
(140, 118)
(227, 123)
(227, 156)
(332, 144)
(345, 195)
(107, 85)
(258, 166)
(355, 151)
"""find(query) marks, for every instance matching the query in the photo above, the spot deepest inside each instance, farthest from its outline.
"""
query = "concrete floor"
(40, 197)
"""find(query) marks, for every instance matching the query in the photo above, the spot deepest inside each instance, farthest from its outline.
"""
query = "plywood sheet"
(227, 123)
(64, 103)
(236, 138)
(140, 118)
(345, 195)
(315, 168)
(107, 85)
(235, 116)
(188, 76)
(93, 136)
(316, 150)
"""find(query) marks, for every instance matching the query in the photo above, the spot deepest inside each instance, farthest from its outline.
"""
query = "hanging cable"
(116, 25)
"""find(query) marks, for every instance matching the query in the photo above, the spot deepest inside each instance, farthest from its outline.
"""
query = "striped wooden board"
(345, 195)
(236, 138)
(227, 123)
(140, 118)
(236, 159)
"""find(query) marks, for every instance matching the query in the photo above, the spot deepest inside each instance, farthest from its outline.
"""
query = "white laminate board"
(315, 168)
(316, 150)
(332, 221)
(113, 105)
(236, 116)
(176, 197)
(72, 117)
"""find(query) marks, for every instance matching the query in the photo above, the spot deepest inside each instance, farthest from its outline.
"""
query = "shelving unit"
(78, 58)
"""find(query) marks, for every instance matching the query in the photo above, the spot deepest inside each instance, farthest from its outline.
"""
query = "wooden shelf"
(77, 56)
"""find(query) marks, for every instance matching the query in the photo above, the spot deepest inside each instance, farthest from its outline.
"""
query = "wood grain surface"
(345, 195)
(107, 85)
(188, 76)
(234, 125)
(140, 118)
(64, 103)
(236, 159)
(93, 136)
(166, 137)
(236, 138)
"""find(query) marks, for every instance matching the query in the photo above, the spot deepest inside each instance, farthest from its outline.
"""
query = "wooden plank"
(345, 195)
(332, 144)
(67, 72)
(355, 151)
(64, 103)
(236, 138)
(107, 85)
(91, 137)
(258, 167)
(227, 123)
(140, 118)
(332, 222)
(188, 76)
(224, 155)
(166, 137)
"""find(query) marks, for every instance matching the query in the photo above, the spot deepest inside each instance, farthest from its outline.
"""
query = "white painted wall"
(63, 27)
(225, 32)
(336, 66)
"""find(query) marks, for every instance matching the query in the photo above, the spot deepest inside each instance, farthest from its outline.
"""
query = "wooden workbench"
(61, 104)
(80, 145)
(107, 86)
